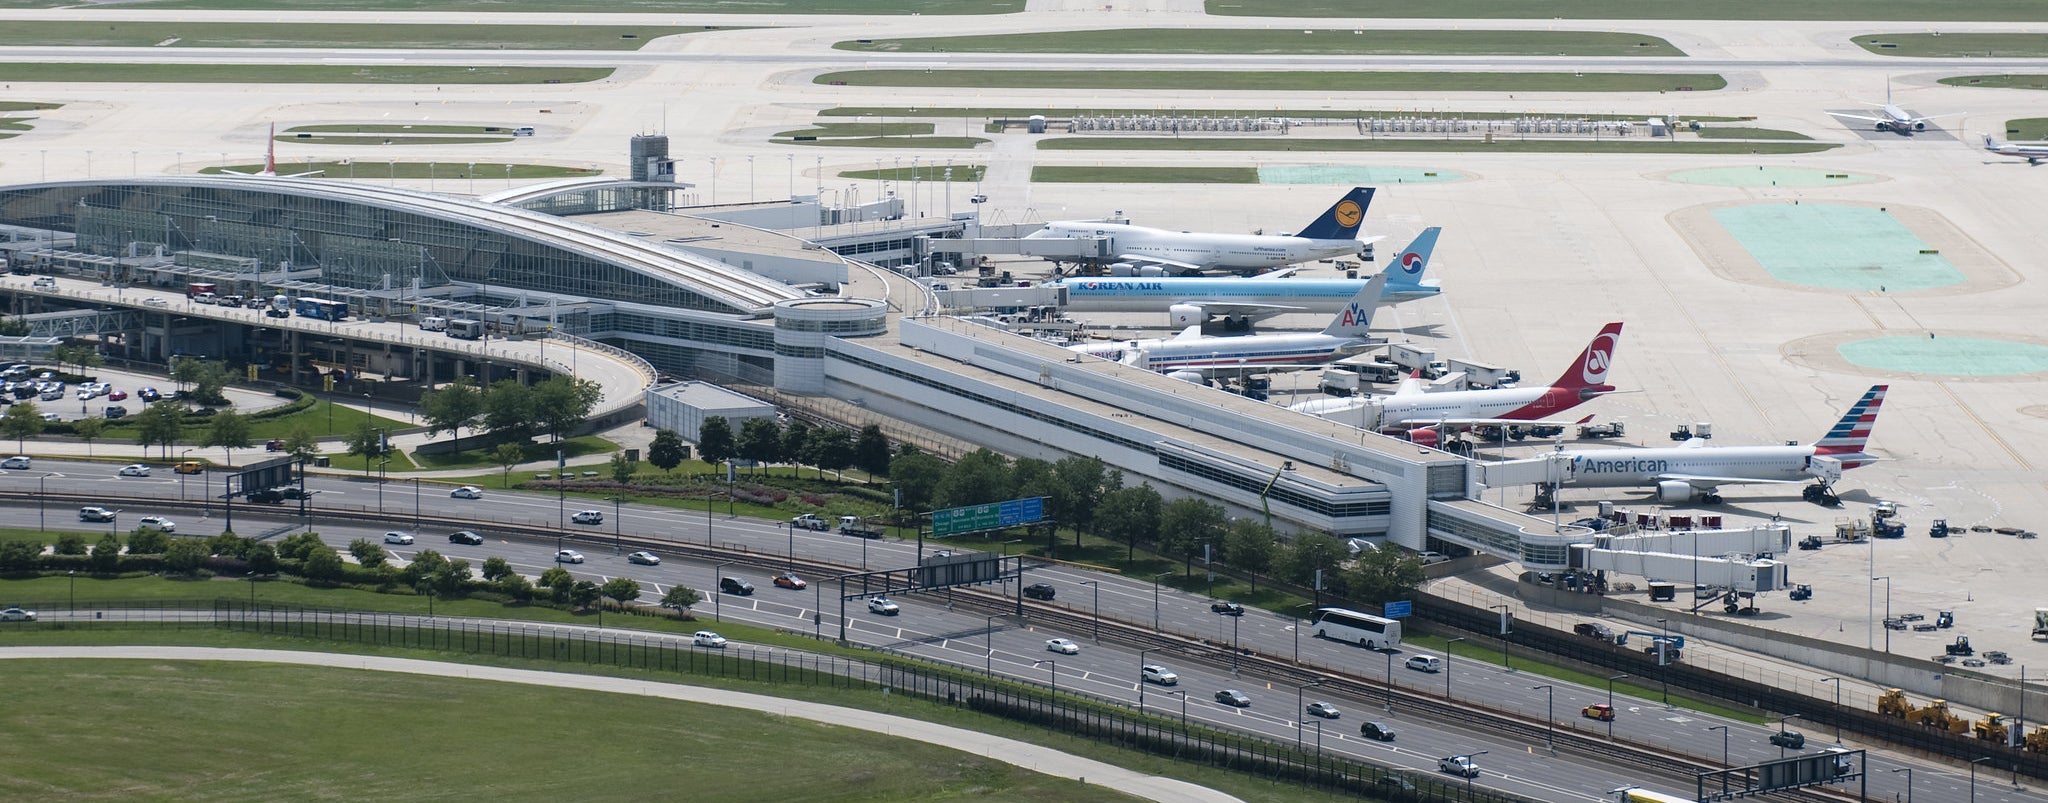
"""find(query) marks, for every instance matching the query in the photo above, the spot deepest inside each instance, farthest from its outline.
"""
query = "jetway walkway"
(82, 323)
(1065, 248)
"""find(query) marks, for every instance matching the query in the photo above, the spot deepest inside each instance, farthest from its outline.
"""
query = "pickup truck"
(852, 525)
(809, 521)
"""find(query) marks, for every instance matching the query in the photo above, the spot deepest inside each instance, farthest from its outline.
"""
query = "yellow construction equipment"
(1893, 703)
(1991, 728)
(2037, 742)
(1936, 715)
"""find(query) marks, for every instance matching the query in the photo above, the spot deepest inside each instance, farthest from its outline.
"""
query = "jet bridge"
(1738, 571)
(1066, 249)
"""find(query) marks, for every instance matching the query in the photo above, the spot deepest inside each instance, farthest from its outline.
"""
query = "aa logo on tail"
(1598, 357)
(1349, 213)
(1355, 315)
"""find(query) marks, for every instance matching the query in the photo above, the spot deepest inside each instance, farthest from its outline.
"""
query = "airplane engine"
(1182, 316)
(1423, 437)
(1674, 491)
(1884, 126)
(1920, 126)
(1189, 376)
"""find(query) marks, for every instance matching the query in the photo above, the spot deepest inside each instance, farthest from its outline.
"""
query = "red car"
(790, 580)
(119, 395)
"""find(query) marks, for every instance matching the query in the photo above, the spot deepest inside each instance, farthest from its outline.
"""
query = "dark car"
(1790, 739)
(1396, 782)
(294, 492)
(1377, 731)
(1038, 591)
(266, 496)
(1227, 608)
(735, 585)
(465, 537)
(148, 394)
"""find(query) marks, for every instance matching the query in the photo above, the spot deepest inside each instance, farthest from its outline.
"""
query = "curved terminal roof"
(740, 289)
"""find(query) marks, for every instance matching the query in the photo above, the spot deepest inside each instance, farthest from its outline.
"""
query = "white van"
(1426, 663)
(434, 324)
(523, 131)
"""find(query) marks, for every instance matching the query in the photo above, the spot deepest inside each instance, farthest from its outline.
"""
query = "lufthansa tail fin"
(1342, 219)
(1589, 374)
(1355, 319)
(1850, 434)
(1405, 271)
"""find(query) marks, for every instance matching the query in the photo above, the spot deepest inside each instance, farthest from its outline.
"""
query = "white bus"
(1362, 629)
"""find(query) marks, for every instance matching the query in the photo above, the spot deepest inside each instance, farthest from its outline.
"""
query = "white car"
(467, 492)
(1154, 673)
(568, 556)
(706, 638)
(135, 470)
(1458, 765)
(1062, 646)
(155, 301)
(17, 461)
(17, 615)
(157, 523)
(396, 537)
(644, 558)
(883, 606)
(587, 517)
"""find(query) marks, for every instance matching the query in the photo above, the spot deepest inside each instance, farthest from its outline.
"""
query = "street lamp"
(1235, 653)
(718, 587)
(1973, 776)
(1297, 710)
(1096, 611)
(1447, 665)
(415, 504)
(42, 524)
(1319, 733)
(1836, 714)
(988, 635)
(617, 547)
(1887, 610)
(1550, 717)
(1141, 674)
(1724, 756)
(1155, 598)
(1610, 703)
(1183, 706)
(1664, 658)
(1781, 729)
(1503, 624)
(791, 527)
(1055, 676)
(183, 475)
(1468, 778)
(73, 574)
(1909, 782)
(1390, 679)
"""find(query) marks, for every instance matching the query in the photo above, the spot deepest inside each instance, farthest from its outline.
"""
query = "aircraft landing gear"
(1820, 495)
(1710, 498)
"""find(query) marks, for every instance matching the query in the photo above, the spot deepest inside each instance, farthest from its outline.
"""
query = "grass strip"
(379, 168)
(26, 106)
(823, 130)
(896, 142)
(2006, 81)
(1745, 132)
(125, 33)
(343, 139)
(1286, 81)
(391, 128)
(849, 7)
(1295, 42)
(964, 173)
(2026, 129)
(1306, 114)
(1955, 45)
(62, 72)
(1915, 10)
(1425, 145)
(1109, 174)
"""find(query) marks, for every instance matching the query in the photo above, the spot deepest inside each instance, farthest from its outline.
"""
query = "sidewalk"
(1009, 751)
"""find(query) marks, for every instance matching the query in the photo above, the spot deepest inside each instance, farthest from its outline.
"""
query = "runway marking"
(1988, 431)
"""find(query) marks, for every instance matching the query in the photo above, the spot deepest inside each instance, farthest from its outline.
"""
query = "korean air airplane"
(1190, 351)
(1192, 301)
(1332, 234)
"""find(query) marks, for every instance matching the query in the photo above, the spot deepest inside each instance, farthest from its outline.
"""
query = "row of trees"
(766, 440)
(509, 408)
(162, 424)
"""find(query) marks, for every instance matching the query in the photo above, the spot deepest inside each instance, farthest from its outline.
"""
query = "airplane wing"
(1864, 118)
(1468, 423)
(1276, 274)
(1938, 116)
(1709, 483)
(1141, 259)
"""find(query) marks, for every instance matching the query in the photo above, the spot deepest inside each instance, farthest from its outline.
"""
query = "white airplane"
(1695, 469)
(1427, 418)
(270, 163)
(1190, 355)
(1192, 301)
(1894, 118)
(2033, 152)
(1333, 234)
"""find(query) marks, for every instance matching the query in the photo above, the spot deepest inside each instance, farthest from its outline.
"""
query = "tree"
(185, 557)
(760, 440)
(84, 356)
(506, 456)
(22, 422)
(495, 569)
(622, 469)
(262, 559)
(1384, 574)
(323, 564)
(871, 451)
(1187, 525)
(714, 440)
(1079, 483)
(621, 589)
(1309, 552)
(515, 586)
(69, 544)
(423, 568)
(301, 444)
(294, 547)
(89, 430)
(148, 542)
(205, 379)
(15, 327)
(981, 477)
(916, 477)
(368, 553)
(558, 580)
(681, 598)
(228, 430)
(161, 424)
(452, 408)
(667, 450)
(584, 594)
(1250, 545)
(367, 441)
(508, 409)
(563, 403)
(451, 576)
(832, 448)
(796, 443)
(228, 545)
(1129, 515)
(20, 556)
(106, 554)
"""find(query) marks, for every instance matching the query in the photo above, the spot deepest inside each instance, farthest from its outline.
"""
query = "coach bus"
(1362, 629)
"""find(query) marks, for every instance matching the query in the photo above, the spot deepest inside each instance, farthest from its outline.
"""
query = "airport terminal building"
(877, 348)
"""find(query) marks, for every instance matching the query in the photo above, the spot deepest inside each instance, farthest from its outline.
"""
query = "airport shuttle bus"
(1637, 794)
(322, 309)
(1352, 627)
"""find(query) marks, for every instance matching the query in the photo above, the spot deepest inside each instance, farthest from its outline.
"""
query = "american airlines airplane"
(1695, 469)
(1333, 234)
(1426, 418)
(270, 163)
(1192, 301)
(1894, 118)
(1191, 352)
(2032, 152)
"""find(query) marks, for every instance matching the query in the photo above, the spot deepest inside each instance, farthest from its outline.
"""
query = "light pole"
(1295, 626)
(1550, 717)
(1055, 676)
(791, 527)
(617, 547)
(1781, 729)
(415, 505)
(1610, 704)
(1319, 733)
(1475, 764)
(988, 636)
(1503, 624)
(718, 589)
(1664, 658)
(73, 574)
(1389, 679)
(1724, 756)
(1297, 711)
(1141, 674)
(1836, 714)
(1909, 782)
(183, 475)
(1155, 599)
(1447, 665)
(42, 524)
(1096, 610)
(1973, 776)
(1183, 706)
(1887, 610)
(1235, 653)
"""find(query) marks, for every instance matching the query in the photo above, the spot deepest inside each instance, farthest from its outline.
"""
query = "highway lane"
(926, 628)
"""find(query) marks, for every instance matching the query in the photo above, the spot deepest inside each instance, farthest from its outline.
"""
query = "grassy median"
(62, 72)
(1293, 41)
(1283, 81)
